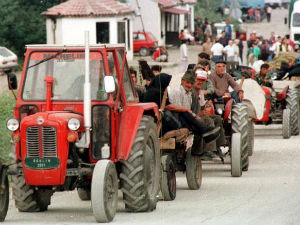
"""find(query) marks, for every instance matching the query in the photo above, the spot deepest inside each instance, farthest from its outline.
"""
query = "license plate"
(42, 163)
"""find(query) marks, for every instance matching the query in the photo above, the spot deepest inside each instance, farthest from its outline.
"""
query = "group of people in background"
(258, 14)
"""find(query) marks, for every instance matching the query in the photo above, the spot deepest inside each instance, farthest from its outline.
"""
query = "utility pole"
(140, 15)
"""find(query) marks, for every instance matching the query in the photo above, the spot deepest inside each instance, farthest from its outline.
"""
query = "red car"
(144, 42)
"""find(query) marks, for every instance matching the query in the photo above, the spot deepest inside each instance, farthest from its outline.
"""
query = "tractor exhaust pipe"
(84, 142)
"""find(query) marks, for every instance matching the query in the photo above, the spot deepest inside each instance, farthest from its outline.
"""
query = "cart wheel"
(104, 191)
(168, 178)
(4, 197)
(286, 125)
(193, 170)
(236, 158)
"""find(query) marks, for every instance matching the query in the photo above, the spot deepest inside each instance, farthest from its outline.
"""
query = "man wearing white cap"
(203, 108)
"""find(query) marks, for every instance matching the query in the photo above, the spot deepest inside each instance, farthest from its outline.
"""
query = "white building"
(163, 18)
(108, 21)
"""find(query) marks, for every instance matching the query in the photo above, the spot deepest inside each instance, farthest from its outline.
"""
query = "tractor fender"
(282, 95)
(228, 108)
(130, 120)
(251, 109)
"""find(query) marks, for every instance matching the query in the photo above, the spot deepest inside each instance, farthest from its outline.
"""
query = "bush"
(7, 103)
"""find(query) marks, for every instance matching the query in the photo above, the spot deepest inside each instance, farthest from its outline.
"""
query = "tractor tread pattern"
(239, 123)
(133, 185)
(293, 104)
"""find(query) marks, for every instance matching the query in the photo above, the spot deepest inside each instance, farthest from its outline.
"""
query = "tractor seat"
(179, 135)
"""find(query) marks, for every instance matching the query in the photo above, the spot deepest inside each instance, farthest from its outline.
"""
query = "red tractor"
(282, 106)
(78, 125)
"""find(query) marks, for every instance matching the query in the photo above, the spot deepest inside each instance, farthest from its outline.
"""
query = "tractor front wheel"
(168, 178)
(193, 170)
(140, 173)
(235, 151)
(104, 191)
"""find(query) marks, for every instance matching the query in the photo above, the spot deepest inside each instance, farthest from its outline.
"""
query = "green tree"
(22, 23)
(208, 9)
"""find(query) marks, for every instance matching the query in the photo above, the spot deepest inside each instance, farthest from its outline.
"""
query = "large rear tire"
(239, 124)
(140, 173)
(286, 123)
(193, 170)
(4, 196)
(250, 137)
(293, 105)
(104, 191)
(28, 199)
(168, 178)
(235, 151)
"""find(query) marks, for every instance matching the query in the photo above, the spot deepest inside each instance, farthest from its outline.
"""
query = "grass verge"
(7, 103)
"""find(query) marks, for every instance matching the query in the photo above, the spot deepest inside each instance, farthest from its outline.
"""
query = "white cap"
(201, 74)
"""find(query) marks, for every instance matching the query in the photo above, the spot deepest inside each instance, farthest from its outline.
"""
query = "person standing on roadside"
(241, 46)
(269, 12)
(183, 56)
(217, 51)
(207, 46)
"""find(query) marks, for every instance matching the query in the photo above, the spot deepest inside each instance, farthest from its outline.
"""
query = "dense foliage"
(21, 23)
(7, 103)
(209, 9)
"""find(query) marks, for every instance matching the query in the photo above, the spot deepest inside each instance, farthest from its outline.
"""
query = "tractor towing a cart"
(78, 125)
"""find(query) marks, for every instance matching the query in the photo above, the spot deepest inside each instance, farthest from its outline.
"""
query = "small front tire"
(104, 191)
(193, 170)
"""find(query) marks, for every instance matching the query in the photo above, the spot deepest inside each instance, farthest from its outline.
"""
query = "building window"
(102, 32)
(121, 33)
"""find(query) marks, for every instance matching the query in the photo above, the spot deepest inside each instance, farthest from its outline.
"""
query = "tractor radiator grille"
(41, 137)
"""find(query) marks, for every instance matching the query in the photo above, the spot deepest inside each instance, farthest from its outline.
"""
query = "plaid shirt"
(181, 97)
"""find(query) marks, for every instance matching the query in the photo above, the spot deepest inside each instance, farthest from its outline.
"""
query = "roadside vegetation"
(7, 103)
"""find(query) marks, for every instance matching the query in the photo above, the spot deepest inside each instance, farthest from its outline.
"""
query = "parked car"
(8, 59)
(144, 43)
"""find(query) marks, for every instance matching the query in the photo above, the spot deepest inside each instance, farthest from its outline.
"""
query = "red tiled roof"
(82, 8)
(167, 3)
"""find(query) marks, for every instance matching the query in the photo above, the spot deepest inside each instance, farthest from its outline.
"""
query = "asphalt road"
(268, 194)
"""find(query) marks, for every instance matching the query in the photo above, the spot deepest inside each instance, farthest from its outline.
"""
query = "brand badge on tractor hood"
(40, 120)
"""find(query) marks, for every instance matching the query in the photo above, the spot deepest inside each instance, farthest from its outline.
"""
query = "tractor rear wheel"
(4, 197)
(193, 170)
(250, 137)
(104, 191)
(168, 178)
(239, 124)
(27, 199)
(140, 173)
(84, 194)
(293, 105)
(286, 123)
(235, 151)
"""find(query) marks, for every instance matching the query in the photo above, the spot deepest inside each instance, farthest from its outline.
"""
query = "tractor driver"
(263, 78)
(222, 80)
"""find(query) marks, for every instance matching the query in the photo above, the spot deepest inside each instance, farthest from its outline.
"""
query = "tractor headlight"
(74, 124)
(12, 124)
(273, 94)
(219, 111)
